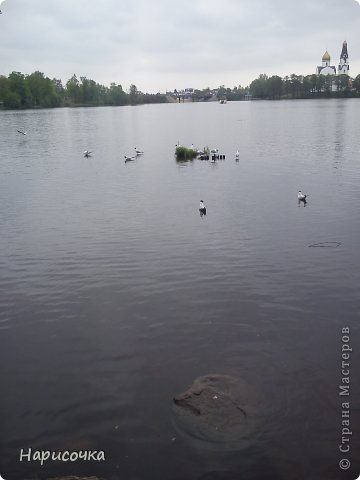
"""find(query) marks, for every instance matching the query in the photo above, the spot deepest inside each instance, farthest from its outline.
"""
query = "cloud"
(170, 44)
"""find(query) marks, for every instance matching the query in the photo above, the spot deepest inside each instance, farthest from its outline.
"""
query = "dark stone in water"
(217, 408)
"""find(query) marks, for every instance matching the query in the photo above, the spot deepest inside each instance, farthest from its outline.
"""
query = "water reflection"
(183, 161)
(101, 279)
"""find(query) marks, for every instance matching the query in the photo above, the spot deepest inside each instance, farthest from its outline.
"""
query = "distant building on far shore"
(327, 69)
(344, 60)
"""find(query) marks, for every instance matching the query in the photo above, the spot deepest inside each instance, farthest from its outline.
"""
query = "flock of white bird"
(137, 154)
(128, 158)
(87, 153)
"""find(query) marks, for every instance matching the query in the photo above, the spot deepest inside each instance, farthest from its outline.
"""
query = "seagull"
(128, 159)
(138, 152)
(202, 208)
(237, 155)
(87, 154)
(301, 197)
(22, 132)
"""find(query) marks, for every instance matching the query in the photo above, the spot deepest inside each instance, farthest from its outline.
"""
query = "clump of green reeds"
(183, 153)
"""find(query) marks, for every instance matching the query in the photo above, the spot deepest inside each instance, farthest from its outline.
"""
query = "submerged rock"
(217, 408)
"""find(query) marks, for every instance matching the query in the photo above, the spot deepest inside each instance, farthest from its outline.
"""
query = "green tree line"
(309, 86)
(37, 91)
(289, 87)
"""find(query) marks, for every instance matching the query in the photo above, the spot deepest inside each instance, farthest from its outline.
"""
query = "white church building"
(344, 60)
(327, 69)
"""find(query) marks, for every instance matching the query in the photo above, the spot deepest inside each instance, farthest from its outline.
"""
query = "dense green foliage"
(221, 93)
(37, 91)
(310, 86)
(183, 153)
(289, 87)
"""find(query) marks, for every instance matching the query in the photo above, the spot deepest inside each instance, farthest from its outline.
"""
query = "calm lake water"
(115, 294)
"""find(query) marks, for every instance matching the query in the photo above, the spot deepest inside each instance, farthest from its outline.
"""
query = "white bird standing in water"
(202, 208)
(301, 196)
(237, 155)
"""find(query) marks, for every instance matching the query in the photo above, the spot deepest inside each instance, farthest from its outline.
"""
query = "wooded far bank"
(20, 91)
(37, 91)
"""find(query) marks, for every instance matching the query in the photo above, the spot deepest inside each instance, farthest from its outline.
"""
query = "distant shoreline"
(35, 91)
(315, 97)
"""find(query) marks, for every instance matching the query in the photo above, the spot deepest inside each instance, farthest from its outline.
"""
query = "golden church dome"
(326, 57)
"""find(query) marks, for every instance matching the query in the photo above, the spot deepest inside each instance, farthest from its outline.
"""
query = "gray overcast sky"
(167, 44)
